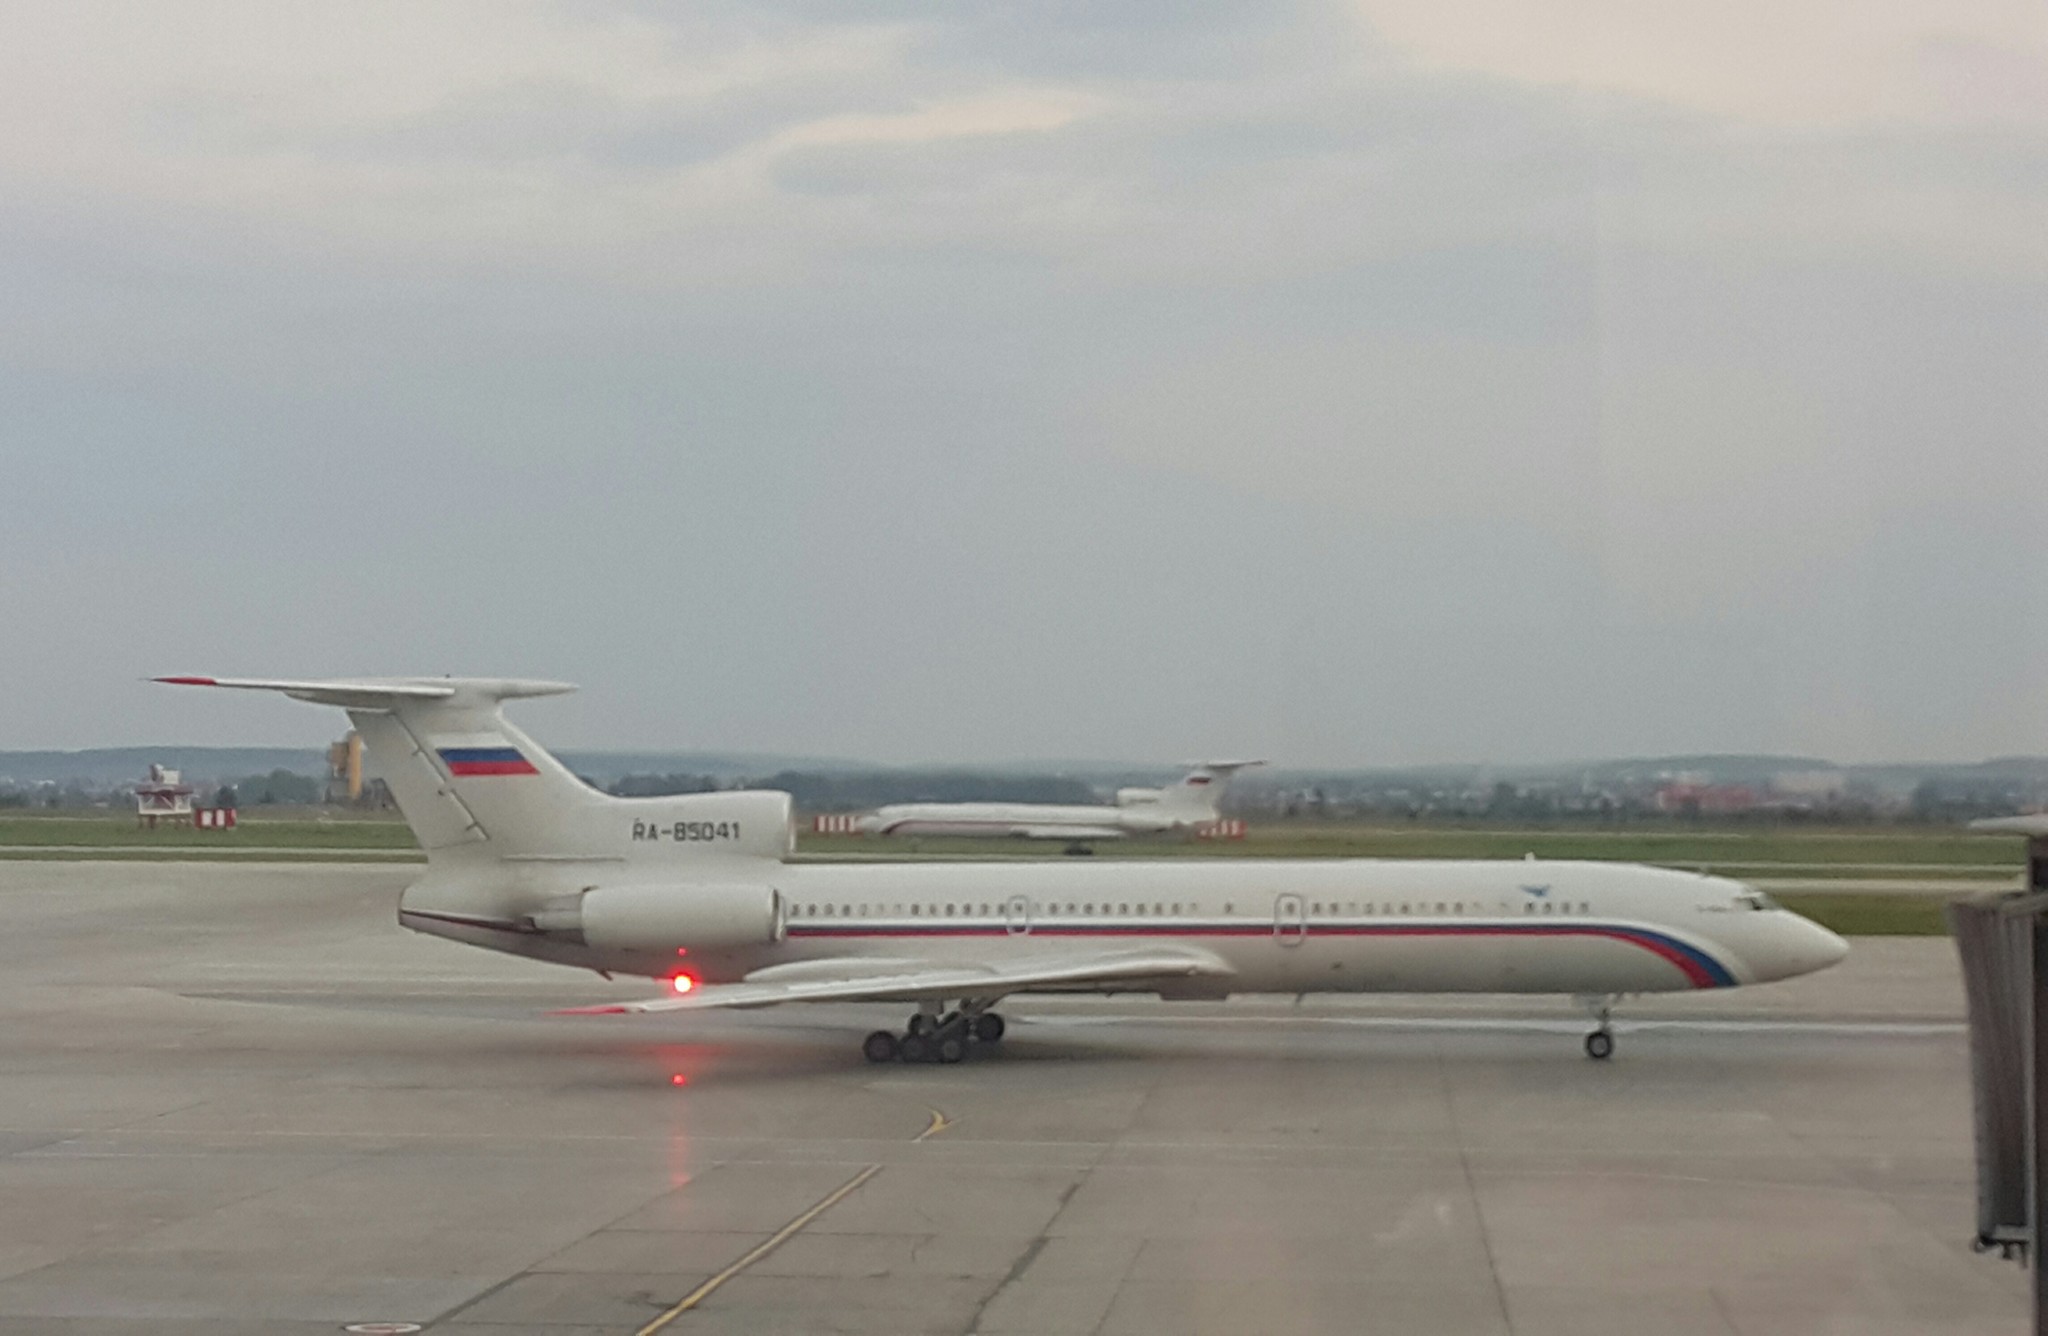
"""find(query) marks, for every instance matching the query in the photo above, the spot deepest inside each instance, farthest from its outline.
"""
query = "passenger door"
(1017, 915)
(1290, 920)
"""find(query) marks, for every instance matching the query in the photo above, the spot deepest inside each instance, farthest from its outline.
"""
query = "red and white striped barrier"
(214, 818)
(836, 823)
(1222, 828)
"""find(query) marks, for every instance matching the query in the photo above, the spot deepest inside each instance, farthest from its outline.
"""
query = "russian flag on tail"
(474, 757)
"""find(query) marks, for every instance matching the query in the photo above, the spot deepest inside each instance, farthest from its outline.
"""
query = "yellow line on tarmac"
(760, 1250)
(940, 1122)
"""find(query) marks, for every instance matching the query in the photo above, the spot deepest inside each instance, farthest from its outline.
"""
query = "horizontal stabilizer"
(371, 693)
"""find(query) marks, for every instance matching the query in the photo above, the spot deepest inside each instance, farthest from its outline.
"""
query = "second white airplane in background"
(1180, 807)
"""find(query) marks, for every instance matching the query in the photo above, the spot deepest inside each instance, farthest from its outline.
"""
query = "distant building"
(1816, 785)
(1687, 798)
(345, 770)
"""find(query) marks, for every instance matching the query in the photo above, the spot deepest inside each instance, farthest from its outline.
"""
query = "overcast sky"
(1372, 383)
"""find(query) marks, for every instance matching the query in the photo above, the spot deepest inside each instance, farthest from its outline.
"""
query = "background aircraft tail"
(1195, 795)
(472, 785)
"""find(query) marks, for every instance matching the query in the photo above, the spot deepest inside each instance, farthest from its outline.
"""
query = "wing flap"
(862, 983)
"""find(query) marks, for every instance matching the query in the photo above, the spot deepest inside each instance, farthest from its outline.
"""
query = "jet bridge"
(2002, 940)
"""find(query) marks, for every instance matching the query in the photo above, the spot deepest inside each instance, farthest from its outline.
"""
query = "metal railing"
(2002, 942)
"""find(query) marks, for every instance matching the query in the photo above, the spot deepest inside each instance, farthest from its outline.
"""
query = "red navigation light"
(682, 983)
(682, 950)
(678, 1079)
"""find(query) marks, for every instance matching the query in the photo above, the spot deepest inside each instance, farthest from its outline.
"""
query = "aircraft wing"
(1027, 830)
(2014, 825)
(855, 979)
(1070, 832)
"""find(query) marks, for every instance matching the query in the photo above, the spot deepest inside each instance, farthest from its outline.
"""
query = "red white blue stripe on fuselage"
(1699, 967)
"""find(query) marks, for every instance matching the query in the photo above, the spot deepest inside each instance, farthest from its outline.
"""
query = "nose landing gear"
(1600, 1043)
(934, 1038)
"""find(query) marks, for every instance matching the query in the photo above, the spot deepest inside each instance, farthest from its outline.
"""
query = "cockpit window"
(1753, 898)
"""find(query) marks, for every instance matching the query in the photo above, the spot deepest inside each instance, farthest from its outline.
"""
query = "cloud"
(1551, 381)
(1832, 64)
(689, 149)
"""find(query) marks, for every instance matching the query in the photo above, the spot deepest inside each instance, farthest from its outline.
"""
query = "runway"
(238, 1098)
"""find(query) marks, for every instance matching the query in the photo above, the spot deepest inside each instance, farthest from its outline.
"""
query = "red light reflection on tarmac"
(682, 1063)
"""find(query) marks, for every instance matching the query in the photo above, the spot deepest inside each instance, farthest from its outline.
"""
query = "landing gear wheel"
(915, 1047)
(988, 1027)
(922, 1025)
(1600, 1045)
(879, 1047)
(950, 1047)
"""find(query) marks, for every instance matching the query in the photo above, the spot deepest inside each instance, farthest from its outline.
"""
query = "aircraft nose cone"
(1807, 947)
(1829, 948)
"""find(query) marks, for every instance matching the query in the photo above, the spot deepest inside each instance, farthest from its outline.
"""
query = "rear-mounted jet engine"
(659, 919)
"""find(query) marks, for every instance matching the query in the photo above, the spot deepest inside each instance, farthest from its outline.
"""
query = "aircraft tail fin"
(471, 784)
(460, 773)
(1201, 788)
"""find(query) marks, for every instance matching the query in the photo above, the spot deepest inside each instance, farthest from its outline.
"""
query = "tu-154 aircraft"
(1178, 807)
(695, 890)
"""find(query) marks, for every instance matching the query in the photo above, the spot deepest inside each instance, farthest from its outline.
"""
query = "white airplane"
(523, 857)
(2033, 825)
(1179, 807)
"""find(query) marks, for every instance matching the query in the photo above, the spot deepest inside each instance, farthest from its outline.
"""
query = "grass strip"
(1873, 915)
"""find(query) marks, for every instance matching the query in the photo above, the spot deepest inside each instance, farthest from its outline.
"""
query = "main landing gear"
(1600, 1043)
(934, 1038)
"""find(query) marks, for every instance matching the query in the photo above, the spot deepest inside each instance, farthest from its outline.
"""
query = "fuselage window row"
(1316, 909)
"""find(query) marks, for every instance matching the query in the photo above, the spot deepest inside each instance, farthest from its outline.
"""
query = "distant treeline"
(279, 786)
(813, 790)
(848, 792)
(657, 786)
(853, 791)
